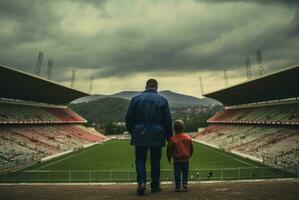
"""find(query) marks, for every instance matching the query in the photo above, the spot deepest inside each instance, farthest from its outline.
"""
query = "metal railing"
(123, 176)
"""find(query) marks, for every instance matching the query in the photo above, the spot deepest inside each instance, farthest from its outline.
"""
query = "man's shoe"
(156, 190)
(141, 189)
(177, 189)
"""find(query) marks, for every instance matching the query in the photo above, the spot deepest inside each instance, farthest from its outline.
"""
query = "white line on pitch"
(227, 155)
(52, 163)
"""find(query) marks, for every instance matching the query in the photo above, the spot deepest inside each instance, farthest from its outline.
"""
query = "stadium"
(44, 142)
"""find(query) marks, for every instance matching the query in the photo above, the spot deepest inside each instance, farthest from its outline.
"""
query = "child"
(180, 148)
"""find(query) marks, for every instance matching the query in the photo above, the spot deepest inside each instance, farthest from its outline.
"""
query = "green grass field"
(119, 155)
(113, 161)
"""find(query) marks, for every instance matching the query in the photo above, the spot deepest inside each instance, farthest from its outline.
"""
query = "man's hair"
(152, 83)
(178, 126)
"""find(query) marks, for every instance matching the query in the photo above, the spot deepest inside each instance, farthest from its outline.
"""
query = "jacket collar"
(150, 90)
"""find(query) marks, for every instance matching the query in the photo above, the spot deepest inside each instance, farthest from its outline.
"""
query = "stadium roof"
(18, 85)
(280, 85)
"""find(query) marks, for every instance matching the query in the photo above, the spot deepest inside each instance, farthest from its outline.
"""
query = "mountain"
(108, 114)
(103, 110)
(89, 98)
(174, 99)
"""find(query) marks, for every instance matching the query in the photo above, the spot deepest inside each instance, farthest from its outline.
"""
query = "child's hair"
(178, 126)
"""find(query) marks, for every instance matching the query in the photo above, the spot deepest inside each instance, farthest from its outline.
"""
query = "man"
(149, 123)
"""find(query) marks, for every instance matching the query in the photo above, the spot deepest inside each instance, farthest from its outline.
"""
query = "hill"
(106, 112)
(103, 110)
(174, 99)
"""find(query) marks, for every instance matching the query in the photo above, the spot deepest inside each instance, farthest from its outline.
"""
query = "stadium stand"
(28, 114)
(269, 114)
(35, 122)
(260, 120)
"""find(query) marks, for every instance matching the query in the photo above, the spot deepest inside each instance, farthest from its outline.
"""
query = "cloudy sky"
(122, 43)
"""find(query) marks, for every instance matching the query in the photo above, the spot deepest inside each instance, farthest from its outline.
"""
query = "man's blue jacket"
(148, 119)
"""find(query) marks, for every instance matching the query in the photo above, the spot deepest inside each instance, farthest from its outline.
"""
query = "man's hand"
(169, 151)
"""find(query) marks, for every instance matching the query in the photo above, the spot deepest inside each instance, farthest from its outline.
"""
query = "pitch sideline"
(226, 155)
(67, 157)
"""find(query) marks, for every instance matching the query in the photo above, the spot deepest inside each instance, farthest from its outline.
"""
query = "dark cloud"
(288, 2)
(294, 27)
(120, 39)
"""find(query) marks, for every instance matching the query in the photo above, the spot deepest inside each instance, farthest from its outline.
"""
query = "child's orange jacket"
(180, 147)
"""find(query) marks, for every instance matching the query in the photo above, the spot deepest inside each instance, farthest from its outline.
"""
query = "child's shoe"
(177, 189)
(156, 190)
(141, 189)
(185, 188)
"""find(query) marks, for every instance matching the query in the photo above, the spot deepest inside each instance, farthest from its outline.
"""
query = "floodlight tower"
(260, 62)
(225, 77)
(201, 86)
(248, 68)
(91, 85)
(73, 78)
(39, 63)
(50, 68)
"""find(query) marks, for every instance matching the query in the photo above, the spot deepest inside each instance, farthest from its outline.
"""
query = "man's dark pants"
(140, 163)
(181, 169)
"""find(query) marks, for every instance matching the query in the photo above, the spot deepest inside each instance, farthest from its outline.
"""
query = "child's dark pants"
(181, 170)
